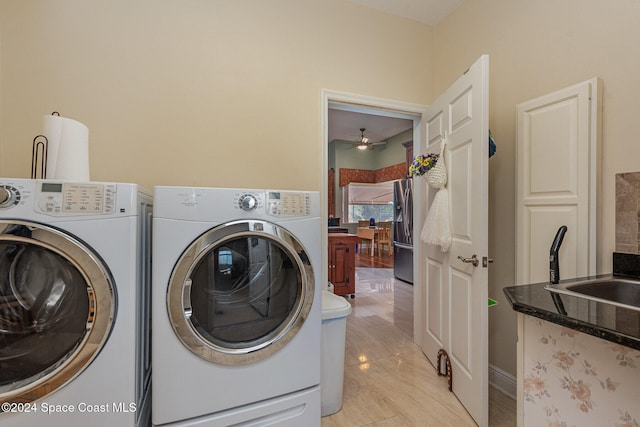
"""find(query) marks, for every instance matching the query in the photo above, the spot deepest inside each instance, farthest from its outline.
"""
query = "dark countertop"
(344, 236)
(612, 323)
(338, 230)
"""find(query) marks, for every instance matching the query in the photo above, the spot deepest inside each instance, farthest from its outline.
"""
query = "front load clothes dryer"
(236, 307)
(74, 304)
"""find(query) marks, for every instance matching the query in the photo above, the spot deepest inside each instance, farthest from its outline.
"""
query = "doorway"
(417, 113)
(374, 109)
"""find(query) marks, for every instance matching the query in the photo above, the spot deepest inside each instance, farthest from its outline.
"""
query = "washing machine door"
(240, 292)
(57, 305)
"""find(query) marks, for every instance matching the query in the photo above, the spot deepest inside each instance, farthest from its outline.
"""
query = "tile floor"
(387, 380)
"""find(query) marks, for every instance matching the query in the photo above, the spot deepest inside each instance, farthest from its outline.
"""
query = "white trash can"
(335, 310)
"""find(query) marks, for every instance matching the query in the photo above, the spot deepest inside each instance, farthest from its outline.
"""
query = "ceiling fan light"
(362, 147)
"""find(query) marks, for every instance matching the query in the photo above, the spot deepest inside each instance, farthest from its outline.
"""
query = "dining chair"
(364, 241)
(383, 237)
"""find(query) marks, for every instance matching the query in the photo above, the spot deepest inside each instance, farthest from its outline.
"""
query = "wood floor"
(388, 382)
(365, 259)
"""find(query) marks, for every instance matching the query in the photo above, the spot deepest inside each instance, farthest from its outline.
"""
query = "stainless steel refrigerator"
(403, 230)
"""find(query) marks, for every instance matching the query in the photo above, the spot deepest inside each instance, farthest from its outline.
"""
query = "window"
(364, 201)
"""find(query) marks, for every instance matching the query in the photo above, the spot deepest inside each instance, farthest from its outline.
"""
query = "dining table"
(368, 233)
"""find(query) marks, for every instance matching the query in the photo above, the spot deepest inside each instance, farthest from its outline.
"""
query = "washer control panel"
(9, 196)
(59, 199)
(288, 203)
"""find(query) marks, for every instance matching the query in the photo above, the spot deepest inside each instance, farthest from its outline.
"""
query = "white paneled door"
(557, 179)
(455, 292)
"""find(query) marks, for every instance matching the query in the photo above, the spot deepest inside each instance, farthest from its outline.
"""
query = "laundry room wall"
(207, 93)
(536, 48)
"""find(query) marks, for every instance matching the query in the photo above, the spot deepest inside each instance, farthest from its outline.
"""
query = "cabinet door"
(343, 271)
(340, 267)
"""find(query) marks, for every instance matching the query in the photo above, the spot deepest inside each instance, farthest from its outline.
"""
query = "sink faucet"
(554, 264)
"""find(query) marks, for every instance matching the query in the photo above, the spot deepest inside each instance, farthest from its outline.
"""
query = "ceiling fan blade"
(363, 143)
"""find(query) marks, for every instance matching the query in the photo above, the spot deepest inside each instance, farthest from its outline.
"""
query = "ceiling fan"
(363, 143)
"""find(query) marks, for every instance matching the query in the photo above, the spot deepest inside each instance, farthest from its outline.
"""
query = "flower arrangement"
(422, 163)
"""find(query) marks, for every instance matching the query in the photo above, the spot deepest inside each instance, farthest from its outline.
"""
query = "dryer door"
(240, 292)
(56, 309)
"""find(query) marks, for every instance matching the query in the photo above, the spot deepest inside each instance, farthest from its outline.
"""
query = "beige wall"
(536, 47)
(210, 93)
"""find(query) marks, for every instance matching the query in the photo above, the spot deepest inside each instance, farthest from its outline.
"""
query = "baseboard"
(503, 381)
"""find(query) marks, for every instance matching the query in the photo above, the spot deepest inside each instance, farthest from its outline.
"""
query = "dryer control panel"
(274, 203)
(288, 203)
(58, 198)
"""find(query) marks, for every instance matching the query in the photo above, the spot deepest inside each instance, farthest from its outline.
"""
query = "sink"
(616, 291)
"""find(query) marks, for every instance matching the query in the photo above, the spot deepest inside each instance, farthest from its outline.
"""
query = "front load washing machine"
(74, 303)
(236, 307)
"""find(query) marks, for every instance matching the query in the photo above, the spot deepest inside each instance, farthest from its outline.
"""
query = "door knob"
(473, 260)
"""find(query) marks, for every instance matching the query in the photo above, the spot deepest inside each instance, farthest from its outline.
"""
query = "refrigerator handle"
(402, 245)
(405, 223)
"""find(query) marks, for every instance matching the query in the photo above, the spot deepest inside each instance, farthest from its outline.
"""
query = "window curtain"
(390, 173)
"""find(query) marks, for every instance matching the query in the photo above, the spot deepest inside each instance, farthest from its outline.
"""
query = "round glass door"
(56, 309)
(240, 292)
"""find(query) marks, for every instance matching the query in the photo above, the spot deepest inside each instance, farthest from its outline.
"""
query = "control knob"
(248, 202)
(8, 196)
